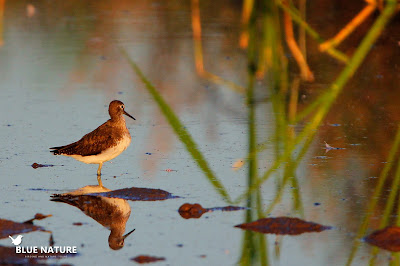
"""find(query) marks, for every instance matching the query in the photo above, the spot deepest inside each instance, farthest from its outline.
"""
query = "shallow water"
(62, 66)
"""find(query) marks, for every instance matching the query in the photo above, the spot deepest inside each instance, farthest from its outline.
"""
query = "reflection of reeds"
(198, 52)
(1, 21)
(311, 32)
(349, 28)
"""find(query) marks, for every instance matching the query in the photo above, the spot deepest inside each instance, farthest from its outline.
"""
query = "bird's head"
(116, 242)
(116, 109)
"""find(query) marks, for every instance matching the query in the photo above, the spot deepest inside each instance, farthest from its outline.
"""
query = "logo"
(41, 251)
(16, 241)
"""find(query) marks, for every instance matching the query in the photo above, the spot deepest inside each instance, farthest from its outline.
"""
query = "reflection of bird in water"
(112, 213)
(16, 241)
(102, 144)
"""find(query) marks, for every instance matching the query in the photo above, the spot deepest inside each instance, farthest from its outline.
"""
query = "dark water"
(60, 66)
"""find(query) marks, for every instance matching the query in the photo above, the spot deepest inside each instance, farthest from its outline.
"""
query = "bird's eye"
(122, 107)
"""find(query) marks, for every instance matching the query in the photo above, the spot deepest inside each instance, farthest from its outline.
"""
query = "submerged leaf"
(283, 226)
(387, 238)
(147, 259)
(137, 194)
(8, 228)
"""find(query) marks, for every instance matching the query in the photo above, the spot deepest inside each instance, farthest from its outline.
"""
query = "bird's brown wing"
(92, 143)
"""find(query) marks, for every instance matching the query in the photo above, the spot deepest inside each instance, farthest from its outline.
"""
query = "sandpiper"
(102, 144)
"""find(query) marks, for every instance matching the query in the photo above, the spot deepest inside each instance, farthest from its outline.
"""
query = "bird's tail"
(67, 149)
(56, 150)
(11, 238)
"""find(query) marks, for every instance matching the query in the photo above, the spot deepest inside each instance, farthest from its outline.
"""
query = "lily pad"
(137, 194)
(387, 238)
(283, 226)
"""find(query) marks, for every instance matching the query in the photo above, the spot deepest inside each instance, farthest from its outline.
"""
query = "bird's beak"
(125, 113)
(125, 236)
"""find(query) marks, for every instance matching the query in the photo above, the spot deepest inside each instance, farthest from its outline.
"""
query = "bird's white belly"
(107, 154)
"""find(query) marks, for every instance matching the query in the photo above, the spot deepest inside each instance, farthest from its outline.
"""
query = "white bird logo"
(16, 241)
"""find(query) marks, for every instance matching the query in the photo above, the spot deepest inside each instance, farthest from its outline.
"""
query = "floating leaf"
(283, 226)
(137, 194)
(188, 210)
(8, 228)
(147, 259)
(387, 238)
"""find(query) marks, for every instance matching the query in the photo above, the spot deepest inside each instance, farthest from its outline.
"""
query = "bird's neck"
(118, 120)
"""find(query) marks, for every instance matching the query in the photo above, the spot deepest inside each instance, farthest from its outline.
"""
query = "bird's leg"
(99, 175)
(99, 180)
(99, 169)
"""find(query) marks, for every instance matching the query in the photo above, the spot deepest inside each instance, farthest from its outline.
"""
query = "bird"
(16, 241)
(102, 144)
